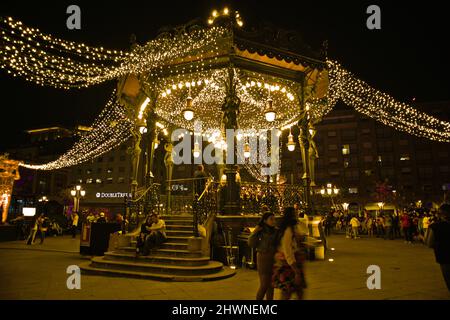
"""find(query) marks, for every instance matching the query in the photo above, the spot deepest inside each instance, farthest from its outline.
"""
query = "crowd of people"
(408, 224)
(42, 225)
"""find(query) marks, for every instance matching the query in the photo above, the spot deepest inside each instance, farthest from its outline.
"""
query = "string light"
(384, 108)
(27, 53)
(101, 139)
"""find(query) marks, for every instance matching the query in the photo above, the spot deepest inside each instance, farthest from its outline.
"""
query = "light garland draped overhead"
(47, 61)
(384, 108)
(110, 129)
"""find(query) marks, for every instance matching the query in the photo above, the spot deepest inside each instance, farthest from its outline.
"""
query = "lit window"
(353, 190)
(110, 170)
(89, 180)
(345, 149)
(98, 181)
(109, 180)
(404, 158)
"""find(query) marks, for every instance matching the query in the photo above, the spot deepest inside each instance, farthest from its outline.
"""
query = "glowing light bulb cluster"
(226, 13)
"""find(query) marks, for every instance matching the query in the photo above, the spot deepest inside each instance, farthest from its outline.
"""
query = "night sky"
(407, 58)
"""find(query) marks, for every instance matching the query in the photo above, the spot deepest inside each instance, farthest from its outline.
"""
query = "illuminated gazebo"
(216, 71)
(251, 81)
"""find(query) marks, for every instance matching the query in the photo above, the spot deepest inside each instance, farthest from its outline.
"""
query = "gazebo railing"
(256, 195)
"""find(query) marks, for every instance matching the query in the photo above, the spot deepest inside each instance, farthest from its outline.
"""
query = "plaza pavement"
(408, 272)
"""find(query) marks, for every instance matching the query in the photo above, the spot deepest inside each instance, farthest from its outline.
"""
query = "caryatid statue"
(168, 161)
(313, 155)
(135, 152)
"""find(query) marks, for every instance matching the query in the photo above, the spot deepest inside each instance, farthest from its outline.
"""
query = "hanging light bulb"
(156, 143)
(188, 112)
(246, 150)
(291, 142)
(270, 113)
(196, 151)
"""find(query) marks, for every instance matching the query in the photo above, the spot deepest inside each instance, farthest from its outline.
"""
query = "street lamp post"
(77, 193)
(330, 191)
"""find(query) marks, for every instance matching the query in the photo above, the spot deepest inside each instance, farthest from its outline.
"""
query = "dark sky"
(407, 58)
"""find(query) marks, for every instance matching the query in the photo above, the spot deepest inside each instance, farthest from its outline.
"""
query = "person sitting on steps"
(156, 236)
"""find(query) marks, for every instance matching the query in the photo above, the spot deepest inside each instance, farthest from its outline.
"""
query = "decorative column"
(304, 140)
(135, 156)
(151, 144)
(168, 161)
(230, 109)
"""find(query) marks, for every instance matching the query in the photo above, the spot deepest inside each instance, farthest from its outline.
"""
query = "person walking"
(43, 227)
(438, 238)
(74, 224)
(380, 226)
(33, 231)
(288, 272)
(426, 224)
(263, 238)
(406, 227)
(388, 227)
(355, 223)
(102, 218)
(396, 226)
(369, 225)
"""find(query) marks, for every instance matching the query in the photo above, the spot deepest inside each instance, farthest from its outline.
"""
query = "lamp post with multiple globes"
(77, 193)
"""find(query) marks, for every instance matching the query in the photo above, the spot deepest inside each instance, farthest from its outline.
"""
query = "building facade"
(370, 162)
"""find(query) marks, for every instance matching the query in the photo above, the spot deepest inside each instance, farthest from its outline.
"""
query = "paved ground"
(407, 272)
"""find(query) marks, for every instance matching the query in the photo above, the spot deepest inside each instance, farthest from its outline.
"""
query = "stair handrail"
(196, 204)
(145, 192)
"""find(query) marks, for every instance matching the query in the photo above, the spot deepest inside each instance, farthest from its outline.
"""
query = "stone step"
(170, 239)
(157, 268)
(179, 227)
(86, 268)
(165, 252)
(174, 245)
(170, 260)
(180, 233)
(178, 222)
(177, 217)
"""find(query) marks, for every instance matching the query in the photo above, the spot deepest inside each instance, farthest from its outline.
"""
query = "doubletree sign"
(112, 195)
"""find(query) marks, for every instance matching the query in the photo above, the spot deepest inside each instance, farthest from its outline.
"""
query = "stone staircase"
(172, 261)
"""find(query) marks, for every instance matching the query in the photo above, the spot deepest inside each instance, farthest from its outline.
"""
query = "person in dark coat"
(200, 177)
(438, 238)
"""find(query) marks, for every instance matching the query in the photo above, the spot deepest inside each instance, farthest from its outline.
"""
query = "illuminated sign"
(29, 212)
(112, 195)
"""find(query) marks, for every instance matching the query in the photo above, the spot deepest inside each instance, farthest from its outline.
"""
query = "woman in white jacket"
(288, 273)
